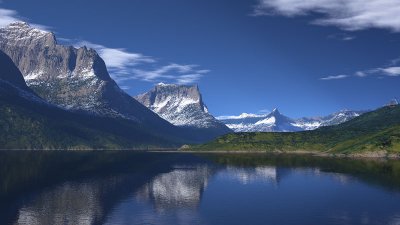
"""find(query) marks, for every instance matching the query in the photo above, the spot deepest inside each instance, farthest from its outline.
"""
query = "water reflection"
(180, 188)
(69, 203)
(186, 189)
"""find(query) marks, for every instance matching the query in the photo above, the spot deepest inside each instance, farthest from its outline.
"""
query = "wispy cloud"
(124, 87)
(392, 69)
(341, 37)
(125, 66)
(346, 14)
(335, 77)
(118, 60)
(175, 73)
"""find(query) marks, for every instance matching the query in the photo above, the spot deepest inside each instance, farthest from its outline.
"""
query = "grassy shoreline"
(366, 155)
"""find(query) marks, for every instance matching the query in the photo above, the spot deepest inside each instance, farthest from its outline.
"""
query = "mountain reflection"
(180, 188)
(249, 175)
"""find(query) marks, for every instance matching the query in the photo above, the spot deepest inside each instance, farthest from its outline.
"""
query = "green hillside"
(373, 131)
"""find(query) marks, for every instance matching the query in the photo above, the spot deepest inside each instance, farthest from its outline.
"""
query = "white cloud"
(346, 14)
(337, 77)
(391, 71)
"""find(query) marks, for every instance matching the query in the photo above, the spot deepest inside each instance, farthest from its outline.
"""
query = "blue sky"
(305, 57)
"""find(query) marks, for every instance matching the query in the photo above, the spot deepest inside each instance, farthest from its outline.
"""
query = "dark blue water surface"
(179, 188)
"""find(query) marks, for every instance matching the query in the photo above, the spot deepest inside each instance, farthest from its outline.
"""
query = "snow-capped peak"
(21, 33)
(19, 24)
(25, 29)
(164, 84)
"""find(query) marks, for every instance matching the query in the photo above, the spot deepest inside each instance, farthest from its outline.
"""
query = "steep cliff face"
(182, 106)
(68, 77)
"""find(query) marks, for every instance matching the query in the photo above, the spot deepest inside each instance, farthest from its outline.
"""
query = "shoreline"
(361, 155)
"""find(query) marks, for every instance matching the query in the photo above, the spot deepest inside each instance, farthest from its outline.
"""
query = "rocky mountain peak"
(164, 96)
(181, 105)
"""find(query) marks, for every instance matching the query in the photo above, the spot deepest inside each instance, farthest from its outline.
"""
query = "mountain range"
(28, 121)
(77, 80)
(277, 122)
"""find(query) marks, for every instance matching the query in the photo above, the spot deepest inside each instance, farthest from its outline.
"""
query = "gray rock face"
(181, 105)
(75, 79)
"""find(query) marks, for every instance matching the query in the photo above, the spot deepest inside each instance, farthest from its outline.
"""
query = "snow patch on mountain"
(267, 121)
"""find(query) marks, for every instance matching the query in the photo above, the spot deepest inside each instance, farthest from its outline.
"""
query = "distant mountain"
(74, 79)
(374, 133)
(29, 122)
(183, 106)
(276, 122)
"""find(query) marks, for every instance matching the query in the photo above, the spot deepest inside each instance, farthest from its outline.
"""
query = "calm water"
(171, 188)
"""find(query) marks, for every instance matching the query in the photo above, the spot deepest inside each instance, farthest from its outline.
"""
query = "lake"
(181, 188)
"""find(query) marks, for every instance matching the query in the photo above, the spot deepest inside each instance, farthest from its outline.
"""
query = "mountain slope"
(183, 106)
(276, 122)
(374, 131)
(74, 79)
(29, 122)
